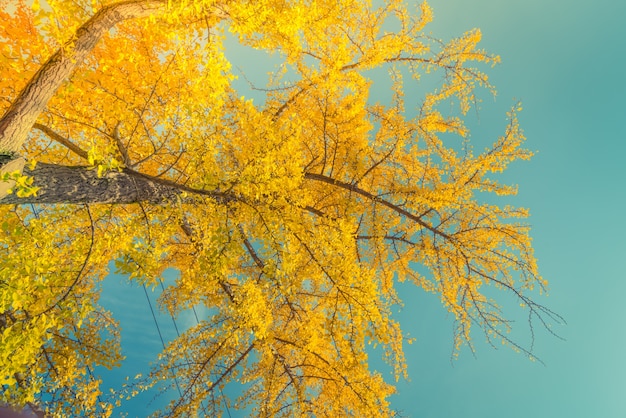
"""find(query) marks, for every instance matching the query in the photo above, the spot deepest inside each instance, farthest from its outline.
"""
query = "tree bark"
(18, 120)
(76, 185)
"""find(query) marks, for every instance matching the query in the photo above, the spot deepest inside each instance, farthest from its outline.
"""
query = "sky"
(565, 61)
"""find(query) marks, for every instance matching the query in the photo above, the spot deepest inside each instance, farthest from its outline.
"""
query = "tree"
(124, 139)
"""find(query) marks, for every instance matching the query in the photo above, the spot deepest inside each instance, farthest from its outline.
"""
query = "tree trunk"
(75, 185)
(18, 120)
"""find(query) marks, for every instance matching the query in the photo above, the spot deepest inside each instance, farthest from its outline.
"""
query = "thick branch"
(60, 184)
(76, 185)
(22, 114)
(376, 199)
(61, 140)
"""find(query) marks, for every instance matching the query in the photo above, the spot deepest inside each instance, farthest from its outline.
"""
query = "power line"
(204, 408)
(171, 316)
(160, 335)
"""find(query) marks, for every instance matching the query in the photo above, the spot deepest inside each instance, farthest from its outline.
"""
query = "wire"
(160, 335)
(193, 308)
(171, 316)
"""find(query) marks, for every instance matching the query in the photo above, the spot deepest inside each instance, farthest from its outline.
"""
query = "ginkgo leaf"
(288, 219)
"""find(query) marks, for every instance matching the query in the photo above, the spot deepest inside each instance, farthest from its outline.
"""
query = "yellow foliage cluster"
(327, 200)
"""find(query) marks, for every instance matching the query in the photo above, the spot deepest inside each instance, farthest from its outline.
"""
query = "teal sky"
(566, 62)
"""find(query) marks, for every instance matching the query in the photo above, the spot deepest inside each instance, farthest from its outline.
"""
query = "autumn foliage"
(290, 218)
